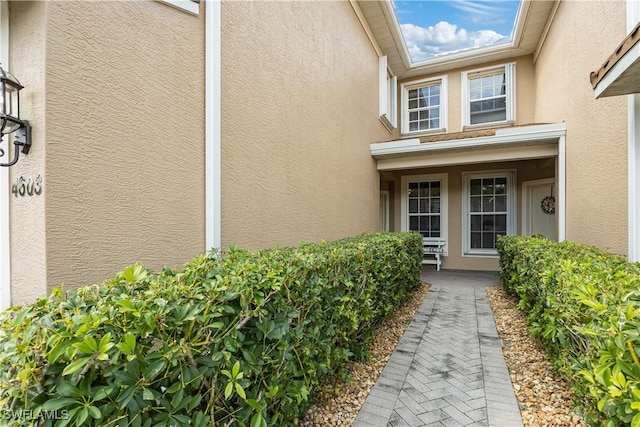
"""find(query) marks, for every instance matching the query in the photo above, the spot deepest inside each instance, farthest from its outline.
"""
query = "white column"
(562, 190)
(213, 164)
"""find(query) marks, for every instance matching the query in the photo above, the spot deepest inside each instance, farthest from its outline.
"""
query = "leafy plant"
(584, 306)
(240, 338)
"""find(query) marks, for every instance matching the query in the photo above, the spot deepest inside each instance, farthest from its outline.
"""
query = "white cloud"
(481, 12)
(445, 37)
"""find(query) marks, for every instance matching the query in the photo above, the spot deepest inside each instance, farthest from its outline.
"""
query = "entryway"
(538, 208)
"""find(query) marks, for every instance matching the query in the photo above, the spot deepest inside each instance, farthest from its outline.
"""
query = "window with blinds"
(488, 99)
(489, 95)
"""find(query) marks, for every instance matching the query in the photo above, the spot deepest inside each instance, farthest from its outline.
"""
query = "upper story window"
(388, 95)
(424, 106)
(488, 95)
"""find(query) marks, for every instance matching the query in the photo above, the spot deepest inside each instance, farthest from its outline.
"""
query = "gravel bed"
(339, 405)
(544, 397)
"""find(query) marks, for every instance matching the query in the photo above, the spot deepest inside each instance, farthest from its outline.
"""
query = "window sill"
(188, 6)
(387, 123)
(491, 125)
(424, 133)
(473, 254)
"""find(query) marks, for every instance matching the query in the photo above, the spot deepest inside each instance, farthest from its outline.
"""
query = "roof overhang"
(507, 144)
(620, 73)
(532, 23)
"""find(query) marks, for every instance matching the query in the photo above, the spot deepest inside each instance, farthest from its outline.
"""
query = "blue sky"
(432, 27)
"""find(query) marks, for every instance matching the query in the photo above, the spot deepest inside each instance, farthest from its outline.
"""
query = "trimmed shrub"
(583, 304)
(241, 338)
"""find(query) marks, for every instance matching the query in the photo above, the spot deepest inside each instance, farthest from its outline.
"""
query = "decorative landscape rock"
(544, 397)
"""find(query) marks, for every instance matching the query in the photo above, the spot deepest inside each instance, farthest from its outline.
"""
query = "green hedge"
(584, 306)
(243, 338)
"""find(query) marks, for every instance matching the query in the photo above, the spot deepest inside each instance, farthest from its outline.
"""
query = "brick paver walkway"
(448, 368)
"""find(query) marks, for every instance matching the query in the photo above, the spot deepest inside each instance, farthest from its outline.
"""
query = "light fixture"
(10, 117)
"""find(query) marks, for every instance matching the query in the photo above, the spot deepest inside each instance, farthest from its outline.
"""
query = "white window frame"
(510, 81)
(190, 6)
(511, 176)
(415, 84)
(444, 203)
(388, 92)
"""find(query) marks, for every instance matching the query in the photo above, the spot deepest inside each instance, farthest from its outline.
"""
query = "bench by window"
(433, 248)
(424, 209)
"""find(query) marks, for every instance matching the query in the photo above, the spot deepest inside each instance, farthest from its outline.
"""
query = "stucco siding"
(27, 61)
(582, 35)
(124, 138)
(299, 110)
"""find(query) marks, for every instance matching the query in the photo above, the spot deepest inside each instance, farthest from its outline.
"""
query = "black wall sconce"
(10, 117)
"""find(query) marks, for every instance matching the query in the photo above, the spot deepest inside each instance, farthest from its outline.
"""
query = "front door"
(539, 208)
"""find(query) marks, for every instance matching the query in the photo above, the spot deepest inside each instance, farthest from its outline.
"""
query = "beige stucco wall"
(525, 96)
(582, 36)
(117, 94)
(27, 61)
(299, 110)
(526, 170)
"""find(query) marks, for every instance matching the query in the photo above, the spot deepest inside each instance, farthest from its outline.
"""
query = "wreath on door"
(548, 204)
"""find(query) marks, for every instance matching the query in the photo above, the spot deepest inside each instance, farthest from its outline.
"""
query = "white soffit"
(486, 155)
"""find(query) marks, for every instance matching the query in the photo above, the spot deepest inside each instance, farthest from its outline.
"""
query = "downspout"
(5, 246)
(213, 207)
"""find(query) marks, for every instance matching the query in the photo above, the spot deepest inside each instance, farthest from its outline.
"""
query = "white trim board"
(633, 179)
(633, 152)
(213, 164)
(184, 5)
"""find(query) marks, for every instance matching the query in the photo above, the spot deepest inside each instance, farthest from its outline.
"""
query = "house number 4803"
(27, 186)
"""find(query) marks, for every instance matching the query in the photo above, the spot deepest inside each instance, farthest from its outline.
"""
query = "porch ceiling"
(518, 143)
